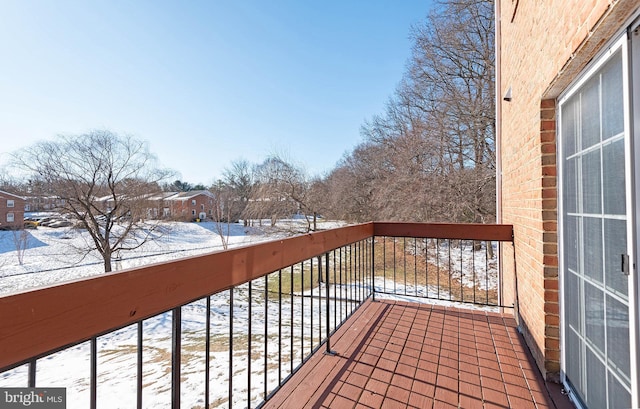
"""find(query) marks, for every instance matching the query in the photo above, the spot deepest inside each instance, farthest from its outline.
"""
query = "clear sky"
(204, 82)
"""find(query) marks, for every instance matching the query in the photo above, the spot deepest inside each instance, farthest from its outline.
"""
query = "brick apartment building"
(11, 210)
(195, 204)
(184, 206)
(568, 90)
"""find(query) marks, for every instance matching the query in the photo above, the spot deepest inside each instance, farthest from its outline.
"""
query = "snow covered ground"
(52, 256)
(57, 254)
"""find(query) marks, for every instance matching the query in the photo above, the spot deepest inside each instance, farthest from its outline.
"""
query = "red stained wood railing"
(43, 320)
(463, 231)
(37, 322)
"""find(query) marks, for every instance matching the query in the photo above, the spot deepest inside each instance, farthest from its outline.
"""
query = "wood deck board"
(410, 355)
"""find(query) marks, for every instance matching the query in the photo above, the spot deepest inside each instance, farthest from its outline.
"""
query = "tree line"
(430, 156)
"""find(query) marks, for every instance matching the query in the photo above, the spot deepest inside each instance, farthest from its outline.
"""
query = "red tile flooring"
(409, 355)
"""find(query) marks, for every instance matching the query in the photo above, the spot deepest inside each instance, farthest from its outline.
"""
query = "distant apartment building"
(183, 206)
(43, 203)
(196, 204)
(11, 210)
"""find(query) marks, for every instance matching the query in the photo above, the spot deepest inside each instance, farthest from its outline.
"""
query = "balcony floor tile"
(459, 358)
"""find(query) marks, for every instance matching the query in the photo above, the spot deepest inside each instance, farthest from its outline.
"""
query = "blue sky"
(204, 82)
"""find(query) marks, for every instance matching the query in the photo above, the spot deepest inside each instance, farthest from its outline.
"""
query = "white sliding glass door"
(596, 231)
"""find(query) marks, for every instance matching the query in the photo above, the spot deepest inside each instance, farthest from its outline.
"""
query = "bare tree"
(353, 184)
(430, 156)
(21, 242)
(105, 181)
(222, 211)
(271, 195)
(240, 180)
(283, 189)
(451, 83)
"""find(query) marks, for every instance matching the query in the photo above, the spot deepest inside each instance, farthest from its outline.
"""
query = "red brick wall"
(17, 210)
(544, 46)
(182, 208)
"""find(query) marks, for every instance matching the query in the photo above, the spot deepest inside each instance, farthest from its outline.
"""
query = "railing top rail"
(42, 320)
(466, 231)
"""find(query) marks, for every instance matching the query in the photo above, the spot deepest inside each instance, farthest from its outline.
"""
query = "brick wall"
(17, 210)
(544, 46)
(184, 208)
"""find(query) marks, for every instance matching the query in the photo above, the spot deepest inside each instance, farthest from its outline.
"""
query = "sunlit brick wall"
(544, 46)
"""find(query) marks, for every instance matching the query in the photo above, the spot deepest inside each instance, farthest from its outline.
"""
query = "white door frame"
(623, 44)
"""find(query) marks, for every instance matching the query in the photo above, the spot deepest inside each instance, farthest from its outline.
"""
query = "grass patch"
(302, 278)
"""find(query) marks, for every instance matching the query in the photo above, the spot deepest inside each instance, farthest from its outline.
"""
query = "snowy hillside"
(59, 254)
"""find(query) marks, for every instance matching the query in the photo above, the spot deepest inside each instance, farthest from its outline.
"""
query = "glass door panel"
(595, 223)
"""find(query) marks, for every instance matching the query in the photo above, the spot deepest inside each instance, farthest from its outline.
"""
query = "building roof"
(190, 194)
(3, 193)
(162, 195)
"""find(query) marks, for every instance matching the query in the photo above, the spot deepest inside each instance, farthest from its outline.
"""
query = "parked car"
(30, 224)
(60, 223)
(46, 221)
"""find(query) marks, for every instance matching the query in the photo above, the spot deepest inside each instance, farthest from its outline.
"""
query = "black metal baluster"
(365, 271)
(349, 268)
(302, 312)
(415, 265)
(352, 263)
(342, 293)
(404, 257)
(266, 331)
(335, 293)
(359, 270)
(449, 268)
(461, 272)
(438, 265)
(280, 326)
(207, 352)
(311, 309)
(372, 267)
(320, 300)
(32, 374)
(328, 350)
(355, 273)
(249, 340)
(94, 373)
(473, 267)
(231, 347)
(362, 270)
(426, 267)
(139, 378)
(356, 270)
(384, 263)
(486, 269)
(176, 340)
(291, 326)
(395, 280)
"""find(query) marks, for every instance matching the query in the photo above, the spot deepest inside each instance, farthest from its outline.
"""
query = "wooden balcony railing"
(284, 299)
